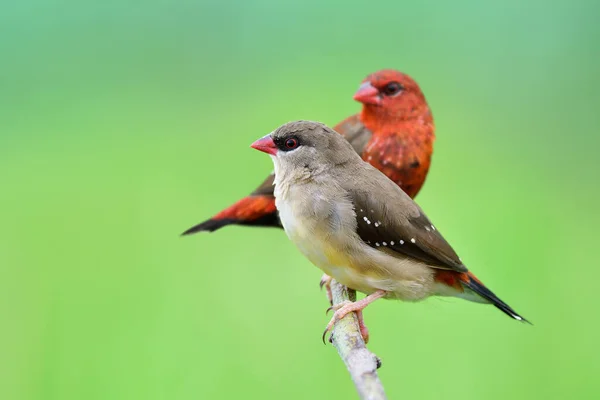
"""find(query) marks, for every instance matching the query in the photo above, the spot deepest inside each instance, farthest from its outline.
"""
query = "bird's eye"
(291, 143)
(392, 89)
(287, 144)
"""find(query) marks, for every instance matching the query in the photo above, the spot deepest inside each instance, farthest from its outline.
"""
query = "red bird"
(394, 132)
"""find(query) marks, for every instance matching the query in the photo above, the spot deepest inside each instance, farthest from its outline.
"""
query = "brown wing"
(391, 220)
(353, 130)
(266, 188)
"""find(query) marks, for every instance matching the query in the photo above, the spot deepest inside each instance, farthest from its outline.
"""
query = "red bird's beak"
(265, 144)
(367, 94)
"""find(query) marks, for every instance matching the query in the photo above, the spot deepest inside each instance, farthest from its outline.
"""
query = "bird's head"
(305, 146)
(391, 94)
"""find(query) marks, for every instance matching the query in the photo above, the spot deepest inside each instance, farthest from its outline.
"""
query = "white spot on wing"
(401, 241)
(413, 240)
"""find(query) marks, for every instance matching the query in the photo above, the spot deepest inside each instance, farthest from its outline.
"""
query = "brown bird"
(394, 132)
(358, 226)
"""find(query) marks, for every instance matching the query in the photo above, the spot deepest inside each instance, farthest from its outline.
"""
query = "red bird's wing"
(355, 132)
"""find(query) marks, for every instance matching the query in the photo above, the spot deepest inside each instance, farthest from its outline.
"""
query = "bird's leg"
(364, 332)
(326, 281)
(347, 306)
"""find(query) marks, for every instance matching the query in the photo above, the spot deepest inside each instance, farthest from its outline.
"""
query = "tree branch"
(346, 337)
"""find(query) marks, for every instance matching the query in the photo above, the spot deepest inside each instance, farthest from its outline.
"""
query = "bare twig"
(346, 337)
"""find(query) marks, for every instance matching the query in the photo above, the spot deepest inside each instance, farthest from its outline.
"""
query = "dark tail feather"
(471, 282)
(256, 210)
(210, 225)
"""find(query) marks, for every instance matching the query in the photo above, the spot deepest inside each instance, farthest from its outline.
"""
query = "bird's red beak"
(265, 144)
(367, 94)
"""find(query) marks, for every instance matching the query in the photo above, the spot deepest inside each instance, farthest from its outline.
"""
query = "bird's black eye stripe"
(287, 143)
(392, 89)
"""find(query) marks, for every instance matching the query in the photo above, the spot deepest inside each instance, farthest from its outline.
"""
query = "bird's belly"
(355, 265)
(319, 248)
(327, 254)
(338, 265)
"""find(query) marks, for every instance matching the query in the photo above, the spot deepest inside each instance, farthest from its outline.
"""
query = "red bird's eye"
(392, 88)
(291, 143)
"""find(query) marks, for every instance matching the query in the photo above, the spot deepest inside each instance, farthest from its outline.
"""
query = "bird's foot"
(364, 331)
(342, 309)
(326, 281)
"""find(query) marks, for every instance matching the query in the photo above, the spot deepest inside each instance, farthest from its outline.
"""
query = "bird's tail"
(471, 283)
(256, 210)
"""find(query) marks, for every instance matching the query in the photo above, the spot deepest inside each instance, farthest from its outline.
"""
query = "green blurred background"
(124, 123)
